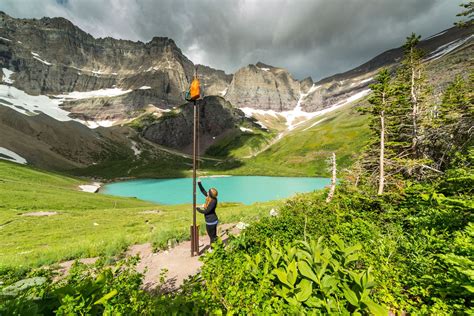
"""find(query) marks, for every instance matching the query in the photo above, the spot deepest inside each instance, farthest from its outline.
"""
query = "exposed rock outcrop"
(175, 130)
(264, 87)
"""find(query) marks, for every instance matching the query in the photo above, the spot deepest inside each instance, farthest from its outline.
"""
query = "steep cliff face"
(213, 82)
(264, 87)
(175, 130)
(52, 56)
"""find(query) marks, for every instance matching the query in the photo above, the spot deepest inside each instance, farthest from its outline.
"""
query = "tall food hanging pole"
(195, 227)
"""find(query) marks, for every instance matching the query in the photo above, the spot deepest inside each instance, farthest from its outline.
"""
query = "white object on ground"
(5, 39)
(223, 92)
(273, 212)
(144, 88)
(244, 129)
(14, 157)
(241, 225)
(7, 75)
(90, 188)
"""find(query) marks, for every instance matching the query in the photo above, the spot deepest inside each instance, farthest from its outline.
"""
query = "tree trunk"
(333, 179)
(382, 152)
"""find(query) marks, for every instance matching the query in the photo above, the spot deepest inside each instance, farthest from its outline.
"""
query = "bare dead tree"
(333, 178)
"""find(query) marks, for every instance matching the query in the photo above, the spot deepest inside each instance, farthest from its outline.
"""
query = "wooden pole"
(193, 229)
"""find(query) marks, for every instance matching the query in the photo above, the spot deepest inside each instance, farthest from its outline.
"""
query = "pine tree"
(468, 13)
(410, 111)
(453, 126)
(380, 101)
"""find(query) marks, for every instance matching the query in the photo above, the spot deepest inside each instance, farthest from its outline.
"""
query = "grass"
(305, 150)
(86, 225)
(240, 144)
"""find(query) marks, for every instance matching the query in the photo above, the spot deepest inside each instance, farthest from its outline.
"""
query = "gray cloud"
(309, 37)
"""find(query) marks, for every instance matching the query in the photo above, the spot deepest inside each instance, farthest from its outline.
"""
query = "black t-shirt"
(210, 211)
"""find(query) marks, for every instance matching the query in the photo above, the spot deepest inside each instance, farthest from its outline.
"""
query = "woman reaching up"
(209, 211)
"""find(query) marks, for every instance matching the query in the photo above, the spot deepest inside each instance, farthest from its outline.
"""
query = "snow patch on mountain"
(250, 112)
(78, 95)
(135, 148)
(435, 35)
(9, 155)
(31, 105)
(34, 105)
(100, 123)
(447, 48)
(297, 114)
(37, 57)
(7, 75)
(90, 188)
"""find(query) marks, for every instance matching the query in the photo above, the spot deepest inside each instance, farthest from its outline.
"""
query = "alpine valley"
(112, 108)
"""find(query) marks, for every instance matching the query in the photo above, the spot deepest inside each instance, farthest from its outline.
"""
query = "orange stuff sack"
(194, 90)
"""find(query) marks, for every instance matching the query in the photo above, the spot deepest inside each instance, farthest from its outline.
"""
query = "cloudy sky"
(309, 37)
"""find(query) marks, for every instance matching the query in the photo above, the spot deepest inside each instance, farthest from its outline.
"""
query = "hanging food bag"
(194, 92)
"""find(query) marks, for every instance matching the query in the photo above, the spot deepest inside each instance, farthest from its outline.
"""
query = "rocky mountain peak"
(265, 87)
(263, 65)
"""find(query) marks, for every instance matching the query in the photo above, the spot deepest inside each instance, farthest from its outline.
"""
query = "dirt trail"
(177, 261)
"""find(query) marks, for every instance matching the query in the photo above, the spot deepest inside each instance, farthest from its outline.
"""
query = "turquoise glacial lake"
(243, 189)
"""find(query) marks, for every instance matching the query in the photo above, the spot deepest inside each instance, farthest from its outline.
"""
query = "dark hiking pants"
(212, 232)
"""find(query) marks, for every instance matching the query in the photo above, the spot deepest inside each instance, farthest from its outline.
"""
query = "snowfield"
(11, 156)
(298, 114)
(31, 105)
(78, 95)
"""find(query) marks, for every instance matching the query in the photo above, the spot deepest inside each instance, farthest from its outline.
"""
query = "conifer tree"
(410, 111)
(380, 102)
(453, 126)
(468, 13)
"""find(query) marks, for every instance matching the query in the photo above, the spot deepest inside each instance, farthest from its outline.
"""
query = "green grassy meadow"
(87, 224)
(305, 150)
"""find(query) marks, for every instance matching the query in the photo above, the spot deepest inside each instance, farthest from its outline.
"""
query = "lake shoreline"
(232, 189)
